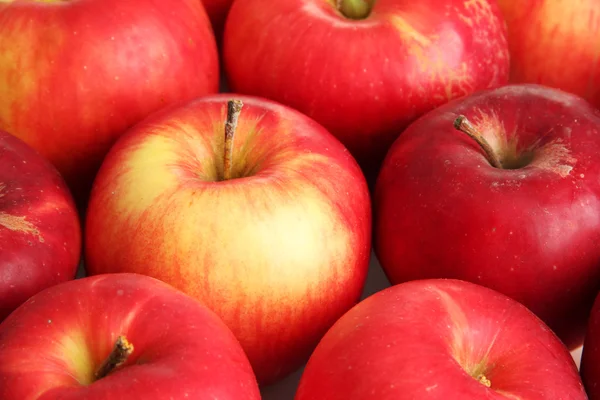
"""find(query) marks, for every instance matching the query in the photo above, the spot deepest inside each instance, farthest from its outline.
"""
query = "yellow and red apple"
(440, 340)
(555, 43)
(120, 337)
(75, 74)
(365, 69)
(271, 230)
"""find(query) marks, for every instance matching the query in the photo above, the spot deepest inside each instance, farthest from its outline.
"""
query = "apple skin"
(51, 346)
(365, 80)
(443, 211)
(75, 74)
(217, 12)
(430, 340)
(555, 43)
(40, 232)
(590, 354)
(280, 253)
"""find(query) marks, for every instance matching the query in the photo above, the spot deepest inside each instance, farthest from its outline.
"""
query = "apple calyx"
(354, 9)
(120, 353)
(464, 125)
(234, 108)
(484, 380)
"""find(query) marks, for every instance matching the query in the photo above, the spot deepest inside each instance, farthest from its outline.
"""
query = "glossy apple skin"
(443, 211)
(280, 253)
(52, 345)
(365, 80)
(40, 233)
(555, 43)
(590, 354)
(430, 339)
(74, 75)
(217, 12)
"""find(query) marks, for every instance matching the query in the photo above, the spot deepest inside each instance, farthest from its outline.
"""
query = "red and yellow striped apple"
(271, 230)
(120, 337)
(40, 233)
(75, 74)
(364, 69)
(440, 339)
(555, 43)
(509, 200)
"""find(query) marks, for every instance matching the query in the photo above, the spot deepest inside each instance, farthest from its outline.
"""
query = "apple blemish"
(17, 224)
(554, 156)
(20, 225)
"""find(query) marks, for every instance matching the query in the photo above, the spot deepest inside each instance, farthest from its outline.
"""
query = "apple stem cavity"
(354, 9)
(464, 125)
(120, 353)
(234, 108)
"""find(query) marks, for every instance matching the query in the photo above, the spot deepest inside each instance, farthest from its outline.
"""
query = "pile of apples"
(192, 193)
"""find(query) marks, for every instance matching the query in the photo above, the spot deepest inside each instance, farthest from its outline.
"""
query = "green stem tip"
(355, 9)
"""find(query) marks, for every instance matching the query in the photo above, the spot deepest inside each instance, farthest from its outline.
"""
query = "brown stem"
(464, 125)
(116, 358)
(234, 108)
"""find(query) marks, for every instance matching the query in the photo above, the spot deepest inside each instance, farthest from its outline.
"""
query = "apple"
(364, 69)
(555, 43)
(499, 188)
(120, 336)
(40, 232)
(590, 354)
(217, 12)
(265, 218)
(75, 74)
(440, 339)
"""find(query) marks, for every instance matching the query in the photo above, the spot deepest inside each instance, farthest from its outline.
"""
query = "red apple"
(509, 200)
(365, 69)
(40, 233)
(555, 43)
(75, 74)
(440, 339)
(120, 337)
(271, 230)
(590, 355)
(217, 12)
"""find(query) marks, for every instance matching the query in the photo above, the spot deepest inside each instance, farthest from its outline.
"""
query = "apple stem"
(464, 125)
(120, 353)
(234, 108)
